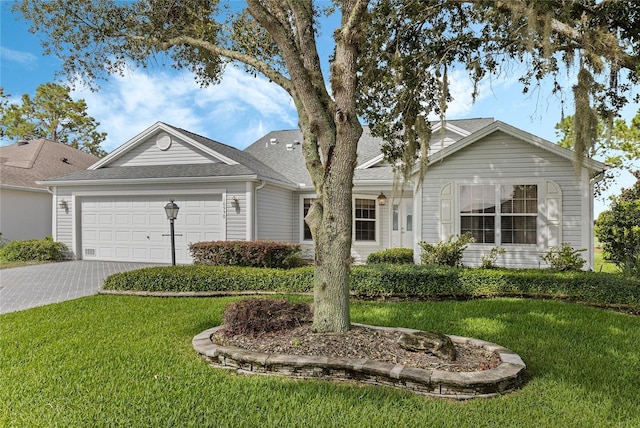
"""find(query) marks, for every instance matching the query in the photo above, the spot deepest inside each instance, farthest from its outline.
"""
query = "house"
(25, 205)
(507, 187)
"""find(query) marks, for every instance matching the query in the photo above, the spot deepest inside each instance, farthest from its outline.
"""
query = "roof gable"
(163, 144)
(518, 134)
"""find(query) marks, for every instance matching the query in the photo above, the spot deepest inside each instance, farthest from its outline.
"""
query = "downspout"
(255, 204)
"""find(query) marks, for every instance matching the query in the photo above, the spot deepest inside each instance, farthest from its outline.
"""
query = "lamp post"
(172, 213)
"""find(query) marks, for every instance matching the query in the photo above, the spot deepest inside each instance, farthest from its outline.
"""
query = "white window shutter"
(553, 214)
(447, 214)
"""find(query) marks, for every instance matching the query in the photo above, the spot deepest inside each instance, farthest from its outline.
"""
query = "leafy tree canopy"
(52, 114)
(390, 66)
(617, 144)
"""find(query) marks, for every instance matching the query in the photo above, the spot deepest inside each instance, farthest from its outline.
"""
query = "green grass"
(8, 265)
(601, 265)
(126, 361)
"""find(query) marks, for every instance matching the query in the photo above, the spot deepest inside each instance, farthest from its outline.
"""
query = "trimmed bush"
(382, 280)
(33, 250)
(212, 278)
(564, 257)
(247, 253)
(255, 316)
(445, 253)
(391, 255)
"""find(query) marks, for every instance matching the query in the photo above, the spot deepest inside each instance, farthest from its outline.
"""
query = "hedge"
(264, 254)
(380, 281)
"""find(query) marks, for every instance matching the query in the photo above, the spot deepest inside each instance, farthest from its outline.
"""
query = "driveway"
(30, 286)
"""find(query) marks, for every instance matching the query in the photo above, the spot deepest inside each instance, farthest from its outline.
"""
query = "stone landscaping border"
(506, 377)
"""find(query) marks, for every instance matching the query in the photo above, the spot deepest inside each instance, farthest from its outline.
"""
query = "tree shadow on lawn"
(594, 349)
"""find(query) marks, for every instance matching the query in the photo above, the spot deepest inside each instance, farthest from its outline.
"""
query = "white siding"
(502, 159)
(274, 211)
(148, 153)
(237, 216)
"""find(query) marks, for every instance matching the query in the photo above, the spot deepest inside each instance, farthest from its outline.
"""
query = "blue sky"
(243, 108)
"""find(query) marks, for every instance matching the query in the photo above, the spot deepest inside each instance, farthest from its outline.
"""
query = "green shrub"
(385, 280)
(33, 250)
(255, 316)
(391, 255)
(564, 258)
(618, 229)
(445, 253)
(212, 278)
(247, 253)
(489, 261)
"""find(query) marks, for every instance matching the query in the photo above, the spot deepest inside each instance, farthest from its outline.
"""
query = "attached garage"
(135, 227)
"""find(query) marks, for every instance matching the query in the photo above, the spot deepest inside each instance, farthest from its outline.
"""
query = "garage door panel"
(135, 228)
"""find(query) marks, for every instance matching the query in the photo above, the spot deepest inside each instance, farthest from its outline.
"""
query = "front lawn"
(128, 361)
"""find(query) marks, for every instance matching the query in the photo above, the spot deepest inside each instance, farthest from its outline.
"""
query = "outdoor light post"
(172, 213)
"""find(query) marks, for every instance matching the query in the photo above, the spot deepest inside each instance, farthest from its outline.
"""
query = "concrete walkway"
(30, 286)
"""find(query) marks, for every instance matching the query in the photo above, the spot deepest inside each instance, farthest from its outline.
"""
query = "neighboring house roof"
(25, 163)
(231, 162)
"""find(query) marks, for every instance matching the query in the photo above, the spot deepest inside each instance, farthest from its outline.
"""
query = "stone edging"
(506, 377)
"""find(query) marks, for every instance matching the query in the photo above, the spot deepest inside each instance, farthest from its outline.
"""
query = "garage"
(135, 228)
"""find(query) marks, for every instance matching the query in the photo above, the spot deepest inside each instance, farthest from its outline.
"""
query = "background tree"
(618, 229)
(52, 114)
(617, 144)
(389, 65)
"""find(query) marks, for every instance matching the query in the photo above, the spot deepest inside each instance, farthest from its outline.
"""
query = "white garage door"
(135, 228)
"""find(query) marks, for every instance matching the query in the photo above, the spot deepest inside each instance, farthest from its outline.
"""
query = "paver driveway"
(30, 286)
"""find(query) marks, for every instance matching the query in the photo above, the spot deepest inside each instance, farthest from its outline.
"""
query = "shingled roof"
(24, 163)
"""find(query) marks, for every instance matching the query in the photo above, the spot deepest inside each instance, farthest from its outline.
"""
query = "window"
(306, 234)
(511, 221)
(365, 220)
(519, 208)
(478, 212)
(364, 217)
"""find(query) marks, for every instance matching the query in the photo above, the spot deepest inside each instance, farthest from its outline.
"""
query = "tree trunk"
(333, 236)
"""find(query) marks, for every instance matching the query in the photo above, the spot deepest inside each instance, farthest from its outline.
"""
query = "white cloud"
(236, 112)
(25, 59)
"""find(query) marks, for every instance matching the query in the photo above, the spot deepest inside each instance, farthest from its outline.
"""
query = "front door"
(402, 223)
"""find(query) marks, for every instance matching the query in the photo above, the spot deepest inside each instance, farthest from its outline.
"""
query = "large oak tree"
(390, 66)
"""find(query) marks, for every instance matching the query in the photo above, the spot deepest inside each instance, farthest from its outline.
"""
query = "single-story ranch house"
(507, 187)
(25, 205)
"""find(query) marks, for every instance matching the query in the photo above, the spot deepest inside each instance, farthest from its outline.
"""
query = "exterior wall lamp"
(63, 204)
(382, 199)
(171, 209)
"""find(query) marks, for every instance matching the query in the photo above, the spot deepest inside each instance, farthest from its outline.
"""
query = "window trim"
(497, 184)
(376, 221)
(354, 196)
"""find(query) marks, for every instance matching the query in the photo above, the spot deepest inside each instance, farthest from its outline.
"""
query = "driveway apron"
(30, 286)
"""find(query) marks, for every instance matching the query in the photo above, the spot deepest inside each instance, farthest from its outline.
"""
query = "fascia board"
(24, 189)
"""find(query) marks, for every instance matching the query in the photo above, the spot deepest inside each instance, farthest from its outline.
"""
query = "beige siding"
(502, 159)
(147, 153)
(274, 214)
